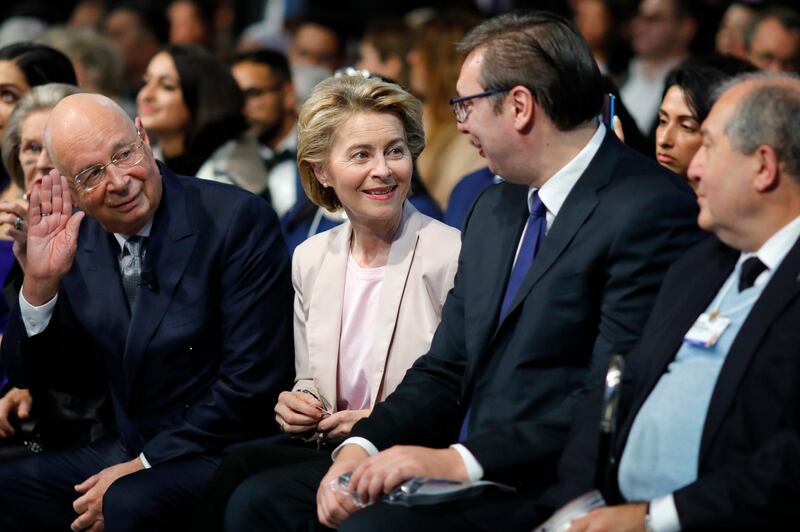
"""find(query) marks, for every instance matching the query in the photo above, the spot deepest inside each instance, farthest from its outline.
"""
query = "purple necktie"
(534, 234)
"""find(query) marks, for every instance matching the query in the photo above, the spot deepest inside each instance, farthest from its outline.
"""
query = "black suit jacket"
(209, 345)
(749, 462)
(586, 296)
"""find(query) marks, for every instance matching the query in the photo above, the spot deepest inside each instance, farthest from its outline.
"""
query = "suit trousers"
(38, 491)
(246, 461)
(283, 498)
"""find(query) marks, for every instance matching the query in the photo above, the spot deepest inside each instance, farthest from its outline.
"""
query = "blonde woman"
(368, 293)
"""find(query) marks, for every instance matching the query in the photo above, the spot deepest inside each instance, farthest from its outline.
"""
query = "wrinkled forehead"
(78, 134)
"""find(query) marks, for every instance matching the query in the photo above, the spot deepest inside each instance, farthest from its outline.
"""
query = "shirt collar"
(772, 252)
(144, 231)
(556, 189)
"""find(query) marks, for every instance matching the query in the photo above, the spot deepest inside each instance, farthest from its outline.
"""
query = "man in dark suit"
(519, 337)
(710, 401)
(178, 289)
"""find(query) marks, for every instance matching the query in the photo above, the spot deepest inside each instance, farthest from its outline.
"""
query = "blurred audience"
(318, 40)
(596, 23)
(87, 14)
(270, 106)
(97, 62)
(383, 50)
(191, 22)
(192, 105)
(735, 28)
(434, 64)
(661, 34)
(775, 44)
(139, 30)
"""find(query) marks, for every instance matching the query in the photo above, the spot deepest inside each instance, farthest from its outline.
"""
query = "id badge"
(706, 330)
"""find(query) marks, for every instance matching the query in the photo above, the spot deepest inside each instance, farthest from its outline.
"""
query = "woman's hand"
(12, 219)
(340, 424)
(297, 412)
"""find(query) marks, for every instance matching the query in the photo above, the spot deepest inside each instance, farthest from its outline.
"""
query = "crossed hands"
(89, 505)
(375, 475)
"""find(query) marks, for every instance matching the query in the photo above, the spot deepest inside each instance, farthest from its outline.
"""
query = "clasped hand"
(89, 505)
(375, 475)
(298, 413)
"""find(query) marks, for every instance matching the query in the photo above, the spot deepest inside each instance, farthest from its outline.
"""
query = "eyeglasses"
(126, 157)
(460, 107)
(255, 92)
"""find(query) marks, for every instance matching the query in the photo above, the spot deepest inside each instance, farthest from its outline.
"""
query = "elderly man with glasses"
(178, 289)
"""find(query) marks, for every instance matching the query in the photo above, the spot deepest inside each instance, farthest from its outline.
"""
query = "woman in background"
(70, 412)
(23, 66)
(192, 104)
(688, 97)
(434, 68)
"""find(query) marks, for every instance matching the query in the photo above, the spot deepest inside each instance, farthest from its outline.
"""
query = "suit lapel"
(392, 288)
(169, 249)
(105, 304)
(325, 313)
(783, 287)
(574, 212)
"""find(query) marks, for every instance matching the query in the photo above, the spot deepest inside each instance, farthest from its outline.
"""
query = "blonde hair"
(331, 103)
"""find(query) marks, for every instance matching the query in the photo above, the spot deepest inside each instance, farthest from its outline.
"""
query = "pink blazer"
(419, 274)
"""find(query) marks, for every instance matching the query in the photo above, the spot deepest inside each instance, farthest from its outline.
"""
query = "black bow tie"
(278, 157)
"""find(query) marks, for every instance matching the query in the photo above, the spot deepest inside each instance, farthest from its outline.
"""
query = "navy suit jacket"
(199, 364)
(464, 195)
(749, 464)
(586, 296)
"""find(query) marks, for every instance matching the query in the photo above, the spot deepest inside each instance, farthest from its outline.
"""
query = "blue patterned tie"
(534, 234)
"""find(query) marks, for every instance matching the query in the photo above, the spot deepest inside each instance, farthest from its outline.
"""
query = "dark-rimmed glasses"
(257, 92)
(460, 107)
(126, 157)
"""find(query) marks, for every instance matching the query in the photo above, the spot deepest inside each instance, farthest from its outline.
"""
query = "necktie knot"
(132, 246)
(538, 210)
(751, 269)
